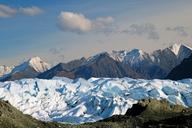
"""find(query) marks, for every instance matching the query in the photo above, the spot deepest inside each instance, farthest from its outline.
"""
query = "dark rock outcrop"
(182, 71)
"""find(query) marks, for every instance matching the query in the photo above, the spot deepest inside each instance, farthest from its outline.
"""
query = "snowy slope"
(136, 55)
(36, 63)
(156, 64)
(28, 69)
(79, 101)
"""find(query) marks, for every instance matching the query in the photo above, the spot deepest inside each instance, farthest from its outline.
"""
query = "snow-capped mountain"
(36, 63)
(79, 101)
(135, 64)
(156, 64)
(5, 70)
(29, 69)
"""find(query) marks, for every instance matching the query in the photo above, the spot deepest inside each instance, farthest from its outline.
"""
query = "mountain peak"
(124, 54)
(38, 64)
(175, 48)
(136, 52)
(35, 62)
(35, 58)
(97, 56)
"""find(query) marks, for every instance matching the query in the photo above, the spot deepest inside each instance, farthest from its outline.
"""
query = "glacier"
(79, 101)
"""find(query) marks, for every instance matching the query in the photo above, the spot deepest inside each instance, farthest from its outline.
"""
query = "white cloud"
(31, 11)
(6, 11)
(69, 21)
(76, 22)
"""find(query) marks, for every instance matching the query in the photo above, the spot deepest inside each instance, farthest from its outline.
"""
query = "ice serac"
(29, 69)
(80, 101)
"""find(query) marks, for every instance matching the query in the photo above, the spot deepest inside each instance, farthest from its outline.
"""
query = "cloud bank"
(7, 11)
(180, 30)
(77, 22)
(147, 29)
(30, 11)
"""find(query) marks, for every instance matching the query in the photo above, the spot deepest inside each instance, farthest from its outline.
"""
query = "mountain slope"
(59, 70)
(156, 64)
(63, 69)
(149, 113)
(100, 65)
(182, 71)
(28, 69)
(10, 117)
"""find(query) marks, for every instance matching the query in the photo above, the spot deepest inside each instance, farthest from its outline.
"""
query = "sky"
(63, 30)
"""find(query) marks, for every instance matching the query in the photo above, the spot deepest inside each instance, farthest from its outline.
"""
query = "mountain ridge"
(135, 63)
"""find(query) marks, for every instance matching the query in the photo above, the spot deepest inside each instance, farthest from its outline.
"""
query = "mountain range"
(134, 63)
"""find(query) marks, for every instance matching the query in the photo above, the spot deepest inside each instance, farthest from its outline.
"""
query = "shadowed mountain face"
(182, 71)
(104, 66)
(63, 69)
(101, 65)
(59, 70)
(134, 64)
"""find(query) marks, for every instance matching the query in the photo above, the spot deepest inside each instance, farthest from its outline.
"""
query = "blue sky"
(62, 30)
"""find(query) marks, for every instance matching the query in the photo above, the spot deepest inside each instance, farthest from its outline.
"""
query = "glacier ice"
(79, 101)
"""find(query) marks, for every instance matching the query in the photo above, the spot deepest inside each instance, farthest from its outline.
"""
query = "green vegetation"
(146, 113)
